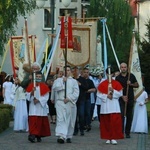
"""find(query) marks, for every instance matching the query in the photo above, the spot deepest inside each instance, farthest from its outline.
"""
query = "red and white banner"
(66, 33)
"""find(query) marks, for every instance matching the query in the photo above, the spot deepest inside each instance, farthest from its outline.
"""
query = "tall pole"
(52, 4)
(118, 64)
(27, 41)
(66, 47)
(105, 47)
(66, 4)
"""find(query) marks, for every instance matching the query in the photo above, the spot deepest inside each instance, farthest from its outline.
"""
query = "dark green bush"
(5, 116)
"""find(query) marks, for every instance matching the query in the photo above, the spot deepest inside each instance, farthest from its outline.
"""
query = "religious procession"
(75, 84)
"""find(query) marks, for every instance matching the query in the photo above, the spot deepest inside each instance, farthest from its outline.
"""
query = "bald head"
(123, 68)
(123, 64)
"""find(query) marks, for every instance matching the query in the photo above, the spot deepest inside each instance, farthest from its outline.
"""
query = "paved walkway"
(9, 140)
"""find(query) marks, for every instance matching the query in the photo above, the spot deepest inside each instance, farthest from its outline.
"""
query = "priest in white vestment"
(65, 106)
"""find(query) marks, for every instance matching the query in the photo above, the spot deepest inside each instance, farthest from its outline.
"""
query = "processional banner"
(84, 47)
(19, 54)
(136, 69)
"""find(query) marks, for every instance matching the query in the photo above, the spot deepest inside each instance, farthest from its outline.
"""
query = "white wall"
(35, 27)
(144, 15)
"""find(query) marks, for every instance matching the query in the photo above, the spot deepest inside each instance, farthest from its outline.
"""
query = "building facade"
(41, 25)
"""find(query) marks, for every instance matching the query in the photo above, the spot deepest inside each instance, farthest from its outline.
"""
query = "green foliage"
(144, 56)
(10, 10)
(5, 116)
(120, 25)
(4, 119)
(148, 106)
(6, 106)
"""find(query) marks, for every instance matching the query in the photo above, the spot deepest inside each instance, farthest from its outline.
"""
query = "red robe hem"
(111, 126)
(39, 126)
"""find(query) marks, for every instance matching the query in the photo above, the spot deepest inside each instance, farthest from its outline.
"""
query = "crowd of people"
(69, 100)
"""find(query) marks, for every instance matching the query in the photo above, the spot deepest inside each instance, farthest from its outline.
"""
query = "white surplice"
(66, 113)
(110, 106)
(40, 109)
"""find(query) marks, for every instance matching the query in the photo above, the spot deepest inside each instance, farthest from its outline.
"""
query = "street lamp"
(66, 3)
(40, 3)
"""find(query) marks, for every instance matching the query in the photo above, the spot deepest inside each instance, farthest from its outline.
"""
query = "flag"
(135, 67)
(67, 30)
(70, 39)
(62, 42)
(12, 57)
(46, 54)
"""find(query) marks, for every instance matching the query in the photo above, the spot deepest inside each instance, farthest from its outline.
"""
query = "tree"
(120, 24)
(144, 56)
(10, 10)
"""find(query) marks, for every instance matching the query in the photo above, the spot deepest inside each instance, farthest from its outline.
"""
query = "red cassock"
(39, 125)
(110, 123)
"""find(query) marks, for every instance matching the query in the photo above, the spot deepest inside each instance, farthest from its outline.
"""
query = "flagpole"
(27, 40)
(66, 47)
(66, 3)
(105, 46)
(118, 64)
(129, 70)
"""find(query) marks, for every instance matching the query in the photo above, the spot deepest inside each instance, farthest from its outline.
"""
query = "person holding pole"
(67, 93)
(109, 92)
(28, 76)
(37, 95)
(128, 81)
(29, 70)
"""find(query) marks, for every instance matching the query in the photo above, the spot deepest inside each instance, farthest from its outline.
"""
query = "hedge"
(5, 116)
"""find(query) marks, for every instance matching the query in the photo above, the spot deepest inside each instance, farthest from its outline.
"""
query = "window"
(48, 23)
(71, 0)
(69, 11)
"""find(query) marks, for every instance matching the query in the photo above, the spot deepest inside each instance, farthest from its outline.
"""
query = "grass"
(148, 114)
(148, 106)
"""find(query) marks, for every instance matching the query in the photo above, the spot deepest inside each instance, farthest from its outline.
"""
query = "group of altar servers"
(75, 94)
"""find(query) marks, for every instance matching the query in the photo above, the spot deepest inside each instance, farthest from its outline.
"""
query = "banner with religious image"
(84, 47)
(18, 53)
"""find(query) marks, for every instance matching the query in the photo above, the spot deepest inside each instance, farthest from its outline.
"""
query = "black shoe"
(68, 140)
(88, 129)
(39, 139)
(82, 133)
(60, 140)
(75, 133)
(128, 136)
(85, 128)
(31, 138)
